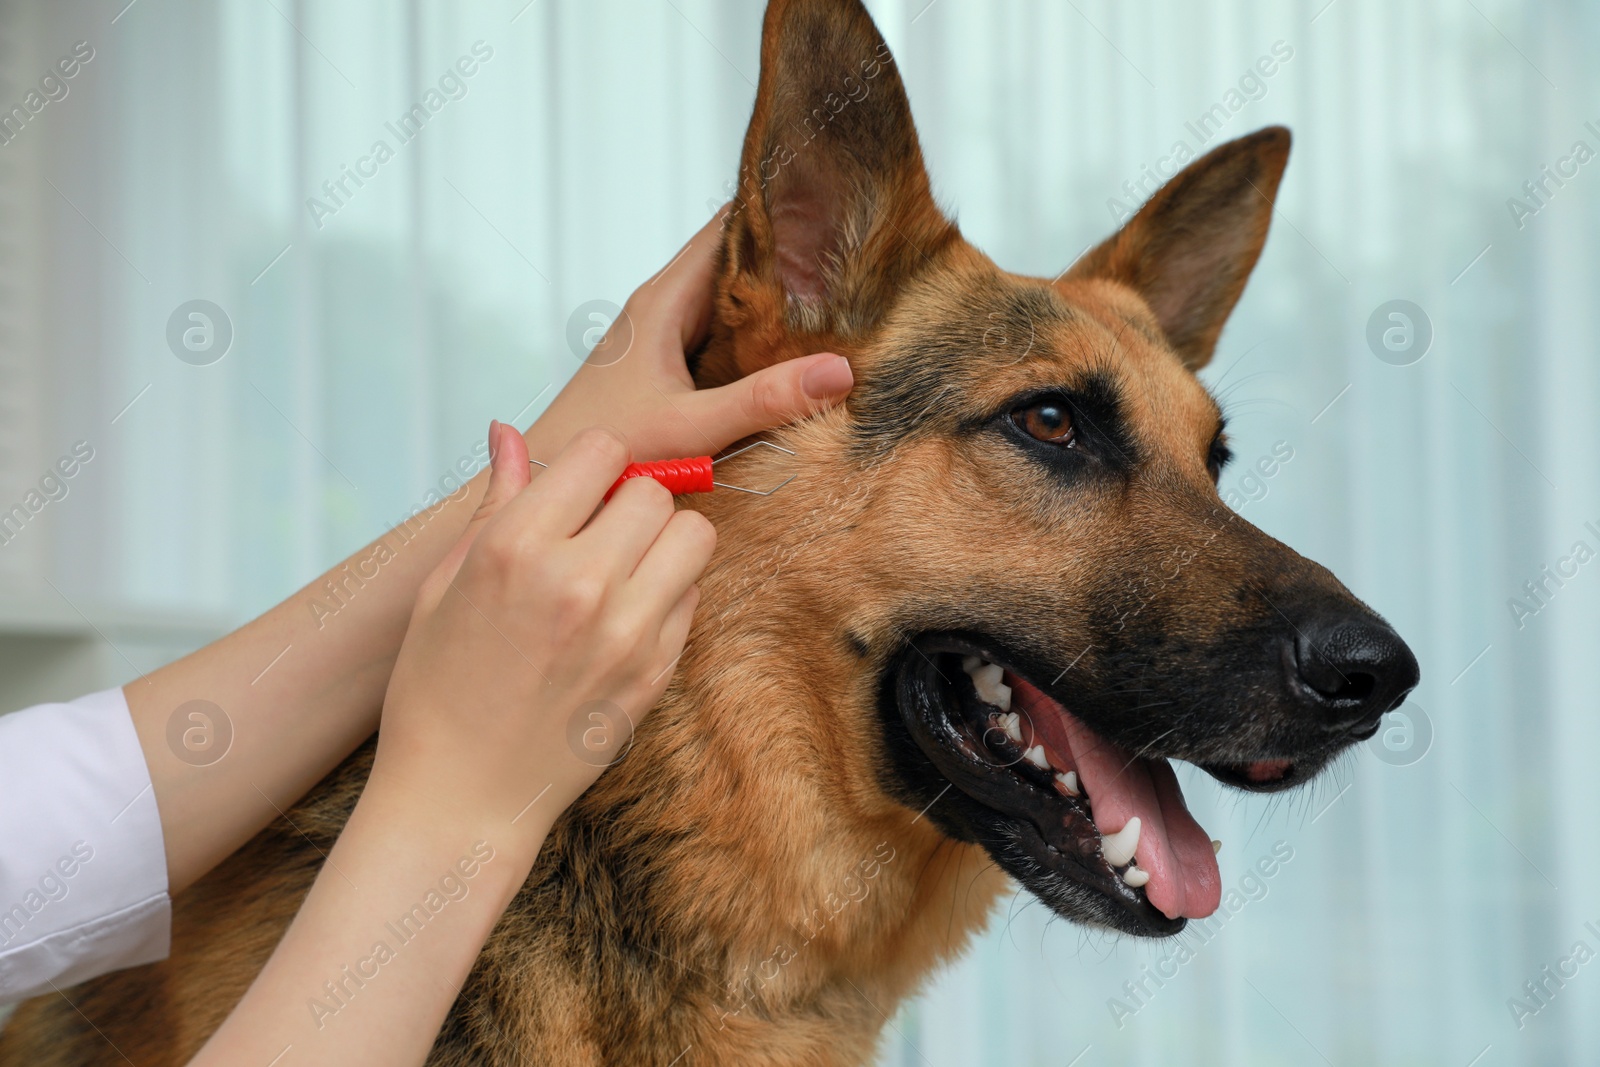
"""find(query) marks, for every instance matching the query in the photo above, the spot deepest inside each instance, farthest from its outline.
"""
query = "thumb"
(508, 475)
(771, 397)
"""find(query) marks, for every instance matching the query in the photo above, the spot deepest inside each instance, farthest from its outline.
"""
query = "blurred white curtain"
(372, 344)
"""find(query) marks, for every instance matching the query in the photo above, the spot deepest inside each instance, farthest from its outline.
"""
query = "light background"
(370, 353)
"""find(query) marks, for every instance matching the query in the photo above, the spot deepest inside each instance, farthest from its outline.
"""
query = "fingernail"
(494, 438)
(827, 378)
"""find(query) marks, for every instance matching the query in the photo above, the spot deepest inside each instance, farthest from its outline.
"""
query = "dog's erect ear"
(1191, 248)
(834, 209)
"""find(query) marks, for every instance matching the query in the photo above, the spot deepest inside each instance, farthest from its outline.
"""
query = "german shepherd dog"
(963, 644)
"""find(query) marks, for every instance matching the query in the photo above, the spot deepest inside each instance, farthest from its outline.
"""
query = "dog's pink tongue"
(1184, 879)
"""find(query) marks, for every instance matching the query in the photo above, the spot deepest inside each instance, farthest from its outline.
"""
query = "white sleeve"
(83, 864)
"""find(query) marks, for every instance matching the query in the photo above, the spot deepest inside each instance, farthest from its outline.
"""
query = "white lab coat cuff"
(83, 863)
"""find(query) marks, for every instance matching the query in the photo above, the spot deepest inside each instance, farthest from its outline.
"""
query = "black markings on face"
(921, 384)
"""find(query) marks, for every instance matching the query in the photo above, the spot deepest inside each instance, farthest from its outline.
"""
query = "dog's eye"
(1047, 420)
(1218, 458)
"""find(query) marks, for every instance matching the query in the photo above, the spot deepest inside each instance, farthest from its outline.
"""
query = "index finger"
(560, 500)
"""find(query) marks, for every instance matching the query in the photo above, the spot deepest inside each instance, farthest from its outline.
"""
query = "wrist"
(446, 822)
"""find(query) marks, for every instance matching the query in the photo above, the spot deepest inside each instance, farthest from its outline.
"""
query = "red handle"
(681, 476)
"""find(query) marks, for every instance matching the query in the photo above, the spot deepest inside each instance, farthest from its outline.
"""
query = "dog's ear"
(1190, 249)
(834, 210)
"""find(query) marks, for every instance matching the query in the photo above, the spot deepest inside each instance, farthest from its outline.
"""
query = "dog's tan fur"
(744, 884)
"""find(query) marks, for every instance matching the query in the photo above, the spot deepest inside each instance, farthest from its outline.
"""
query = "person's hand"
(546, 613)
(636, 382)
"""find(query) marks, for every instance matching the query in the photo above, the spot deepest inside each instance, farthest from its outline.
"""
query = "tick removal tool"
(694, 474)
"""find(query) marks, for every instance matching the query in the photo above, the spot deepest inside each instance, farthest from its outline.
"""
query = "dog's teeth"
(971, 663)
(1118, 848)
(1216, 846)
(1067, 782)
(1035, 756)
(991, 690)
(986, 674)
(1011, 723)
(1135, 877)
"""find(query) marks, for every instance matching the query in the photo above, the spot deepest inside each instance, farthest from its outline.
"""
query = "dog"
(957, 651)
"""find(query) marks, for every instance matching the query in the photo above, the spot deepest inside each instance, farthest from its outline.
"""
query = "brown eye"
(1048, 421)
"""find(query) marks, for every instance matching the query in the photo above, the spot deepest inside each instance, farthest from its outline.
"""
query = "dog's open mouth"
(1070, 802)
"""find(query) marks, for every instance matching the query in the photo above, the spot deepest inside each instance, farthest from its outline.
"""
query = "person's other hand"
(637, 383)
(540, 639)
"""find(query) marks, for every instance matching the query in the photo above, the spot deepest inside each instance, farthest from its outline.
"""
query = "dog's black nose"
(1351, 670)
